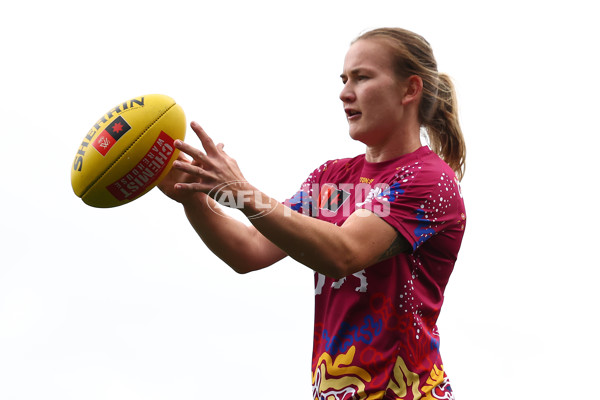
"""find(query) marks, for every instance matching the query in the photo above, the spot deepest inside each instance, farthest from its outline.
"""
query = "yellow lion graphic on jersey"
(337, 379)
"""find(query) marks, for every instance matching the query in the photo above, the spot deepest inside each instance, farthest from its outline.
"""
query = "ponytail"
(445, 136)
(438, 112)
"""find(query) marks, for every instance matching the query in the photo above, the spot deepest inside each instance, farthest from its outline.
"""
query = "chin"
(359, 136)
(356, 135)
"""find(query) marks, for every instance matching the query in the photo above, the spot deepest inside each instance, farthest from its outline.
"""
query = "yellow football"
(128, 151)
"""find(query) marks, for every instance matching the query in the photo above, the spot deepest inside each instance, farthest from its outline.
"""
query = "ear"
(413, 89)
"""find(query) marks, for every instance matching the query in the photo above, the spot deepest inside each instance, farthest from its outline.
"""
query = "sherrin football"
(128, 151)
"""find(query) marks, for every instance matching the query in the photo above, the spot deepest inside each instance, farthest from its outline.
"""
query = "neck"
(397, 146)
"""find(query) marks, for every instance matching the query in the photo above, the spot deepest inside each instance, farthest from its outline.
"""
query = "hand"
(167, 184)
(209, 171)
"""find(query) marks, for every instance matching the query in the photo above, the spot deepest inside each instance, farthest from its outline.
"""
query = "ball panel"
(128, 151)
(142, 165)
(110, 137)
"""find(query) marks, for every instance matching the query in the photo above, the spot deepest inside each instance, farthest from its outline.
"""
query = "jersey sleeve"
(421, 204)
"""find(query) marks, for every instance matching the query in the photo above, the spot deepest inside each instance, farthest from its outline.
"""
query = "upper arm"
(370, 240)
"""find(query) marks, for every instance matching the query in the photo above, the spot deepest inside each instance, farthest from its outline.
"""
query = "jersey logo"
(331, 198)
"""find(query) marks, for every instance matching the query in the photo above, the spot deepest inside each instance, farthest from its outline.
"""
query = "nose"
(347, 94)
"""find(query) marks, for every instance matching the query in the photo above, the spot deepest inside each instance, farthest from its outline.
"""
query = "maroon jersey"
(375, 331)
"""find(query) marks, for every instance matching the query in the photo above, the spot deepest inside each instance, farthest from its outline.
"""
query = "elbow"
(337, 275)
(343, 267)
(241, 269)
(349, 259)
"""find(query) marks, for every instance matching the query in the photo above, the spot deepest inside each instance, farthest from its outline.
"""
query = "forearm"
(240, 246)
(326, 248)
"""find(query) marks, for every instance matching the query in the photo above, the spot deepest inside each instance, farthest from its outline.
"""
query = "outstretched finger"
(192, 187)
(198, 156)
(207, 142)
(193, 170)
(181, 157)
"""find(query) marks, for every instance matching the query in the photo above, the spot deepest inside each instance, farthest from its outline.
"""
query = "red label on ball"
(146, 172)
(103, 143)
(108, 137)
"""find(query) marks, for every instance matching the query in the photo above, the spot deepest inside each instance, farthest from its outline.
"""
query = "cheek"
(387, 105)
(369, 96)
(378, 99)
(382, 111)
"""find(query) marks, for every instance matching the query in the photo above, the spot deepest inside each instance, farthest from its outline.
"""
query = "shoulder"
(423, 167)
(424, 198)
(334, 167)
(420, 179)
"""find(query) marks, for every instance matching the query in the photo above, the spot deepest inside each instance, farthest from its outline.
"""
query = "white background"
(127, 303)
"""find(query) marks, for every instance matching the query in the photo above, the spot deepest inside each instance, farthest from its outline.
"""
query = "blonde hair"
(438, 112)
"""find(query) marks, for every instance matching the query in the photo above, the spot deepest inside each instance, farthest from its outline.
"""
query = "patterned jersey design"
(375, 331)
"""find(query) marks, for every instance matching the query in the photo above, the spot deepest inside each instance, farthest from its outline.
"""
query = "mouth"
(352, 114)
